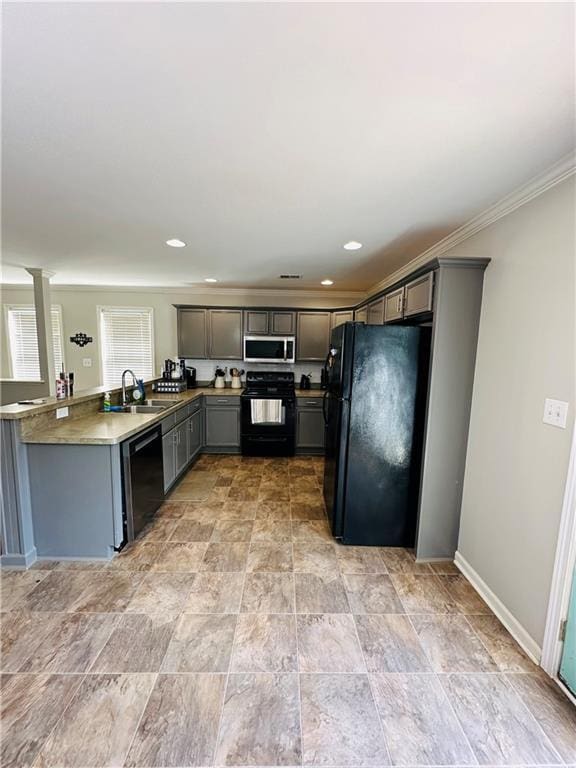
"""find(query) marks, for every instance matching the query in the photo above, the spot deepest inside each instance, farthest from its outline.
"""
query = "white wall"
(516, 465)
(79, 313)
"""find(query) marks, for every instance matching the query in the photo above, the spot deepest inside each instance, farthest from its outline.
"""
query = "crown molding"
(539, 184)
(353, 296)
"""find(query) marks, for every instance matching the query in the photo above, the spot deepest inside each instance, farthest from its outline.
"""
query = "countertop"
(112, 428)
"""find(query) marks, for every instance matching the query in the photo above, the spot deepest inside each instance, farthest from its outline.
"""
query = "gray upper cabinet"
(361, 315)
(282, 323)
(394, 304)
(313, 335)
(225, 334)
(191, 333)
(343, 316)
(376, 312)
(418, 295)
(256, 321)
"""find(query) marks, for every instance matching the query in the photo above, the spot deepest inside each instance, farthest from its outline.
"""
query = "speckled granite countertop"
(112, 428)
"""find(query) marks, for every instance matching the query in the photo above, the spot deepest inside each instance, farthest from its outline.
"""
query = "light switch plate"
(555, 412)
(87, 362)
(61, 413)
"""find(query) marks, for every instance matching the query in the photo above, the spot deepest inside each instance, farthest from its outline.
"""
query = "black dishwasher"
(142, 479)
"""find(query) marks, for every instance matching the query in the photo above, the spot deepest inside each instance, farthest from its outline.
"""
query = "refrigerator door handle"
(326, 394)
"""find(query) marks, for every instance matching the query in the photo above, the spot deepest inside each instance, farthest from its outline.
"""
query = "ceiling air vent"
(290, 277)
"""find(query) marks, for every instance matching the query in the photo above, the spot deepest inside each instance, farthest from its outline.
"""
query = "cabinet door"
(282, 323)
(194, 434)
(225, 334)
(181, 445)
(376, 312)
(256, 321)
(418, 295)
(394, 302)
(191, 333)
(313, 336)
(169, 458)
(344, 316)
(223, 426)
(361, 315)
(309, 428)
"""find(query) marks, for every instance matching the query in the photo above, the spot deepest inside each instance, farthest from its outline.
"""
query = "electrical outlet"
(87, 362)
(61, 413)
(555, 413)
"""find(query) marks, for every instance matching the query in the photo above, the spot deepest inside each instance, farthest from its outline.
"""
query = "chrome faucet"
(135, 383)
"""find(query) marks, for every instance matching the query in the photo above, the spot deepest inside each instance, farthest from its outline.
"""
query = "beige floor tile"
(323, 593)
(272, 531)
(73, 643)
(192, 530)
(274, 494)
(555, 714)
(107, 592)
(372, 593)
(451, 644)
(359, 560)
(180, 557)
(225, 556)
(268, 593)
(138, 643)
(269, 557)
(160, 530)
(418, 721)
(265, 642)
(307, 510)
(162, 592)
(21, 632)
(215, 593)
(315, 557)
(139, 556)
(501, 645)
(204, 512)
(399, 560)
(232, 530)
(340, 724)
(499, 727)
(464, 595)
(201, 643)
(260, 722)
(390, 644)
(164, 736)
(30, 707)
(445, 568)
(273, 510)
(88, 734)
(54, 591)
(328, 642)
(422, 594)
(311, 530)
(239, 510)
(243, 493)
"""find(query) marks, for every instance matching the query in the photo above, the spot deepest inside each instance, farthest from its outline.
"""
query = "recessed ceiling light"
(210, 280)
(352, 245)
(327, 282)
(175, 243)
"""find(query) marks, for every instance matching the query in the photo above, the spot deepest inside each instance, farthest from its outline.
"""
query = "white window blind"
(126, 341)
(23, 341)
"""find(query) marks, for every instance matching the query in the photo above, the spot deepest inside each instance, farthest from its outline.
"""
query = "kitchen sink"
(138, 409)
(163, 403)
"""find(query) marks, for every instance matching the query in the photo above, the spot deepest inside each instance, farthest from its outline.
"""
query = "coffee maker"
(190, 377)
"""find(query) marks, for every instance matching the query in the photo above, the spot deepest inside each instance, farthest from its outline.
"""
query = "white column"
(43, 304)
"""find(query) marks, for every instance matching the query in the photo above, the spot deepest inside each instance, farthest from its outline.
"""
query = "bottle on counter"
(107, 404)
(71, 384)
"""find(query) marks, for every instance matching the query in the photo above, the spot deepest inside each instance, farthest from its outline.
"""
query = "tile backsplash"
(205, 369)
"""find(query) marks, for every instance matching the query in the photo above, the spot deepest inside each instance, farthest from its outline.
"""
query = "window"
(126, 341)
(23, 341)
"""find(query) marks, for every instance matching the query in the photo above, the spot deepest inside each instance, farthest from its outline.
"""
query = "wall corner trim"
(539, 184)
(526, 642)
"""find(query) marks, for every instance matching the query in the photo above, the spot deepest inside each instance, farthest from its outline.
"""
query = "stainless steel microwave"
(269, 349)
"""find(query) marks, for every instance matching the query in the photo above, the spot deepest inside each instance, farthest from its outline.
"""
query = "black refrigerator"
(374, 412)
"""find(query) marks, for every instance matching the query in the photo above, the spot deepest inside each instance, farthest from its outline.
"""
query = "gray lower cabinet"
(309, 427)
(343, 316)
(225, 334)
(191, 325)
(169, 458)
(394, 305)
(313, 335)
(194, 434)
(222, 424)
(181, 446)
(376, 312)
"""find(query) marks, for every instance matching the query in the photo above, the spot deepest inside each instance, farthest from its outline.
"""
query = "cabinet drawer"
(312, 402)
(194, 406)
(168, 423)
(181, 414)
(212, 401)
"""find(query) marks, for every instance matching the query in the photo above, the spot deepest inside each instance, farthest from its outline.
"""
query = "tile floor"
(235, 632)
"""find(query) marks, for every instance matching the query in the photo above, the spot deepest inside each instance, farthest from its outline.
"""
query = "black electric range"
(268, 438)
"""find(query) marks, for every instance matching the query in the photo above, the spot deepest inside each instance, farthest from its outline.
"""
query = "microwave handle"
(285, 349)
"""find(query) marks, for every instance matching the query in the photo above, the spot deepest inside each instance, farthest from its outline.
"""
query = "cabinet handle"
(222, 400)
(311, 402)
(399, 303)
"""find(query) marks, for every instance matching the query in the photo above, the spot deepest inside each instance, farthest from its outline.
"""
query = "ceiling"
(267, 135)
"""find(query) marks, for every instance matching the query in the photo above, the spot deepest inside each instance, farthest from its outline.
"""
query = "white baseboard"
(527, 643)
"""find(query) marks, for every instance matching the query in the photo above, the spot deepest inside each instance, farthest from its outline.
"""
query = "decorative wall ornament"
(81, 339)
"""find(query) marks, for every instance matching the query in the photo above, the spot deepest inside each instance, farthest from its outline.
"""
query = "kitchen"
(287, 385)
